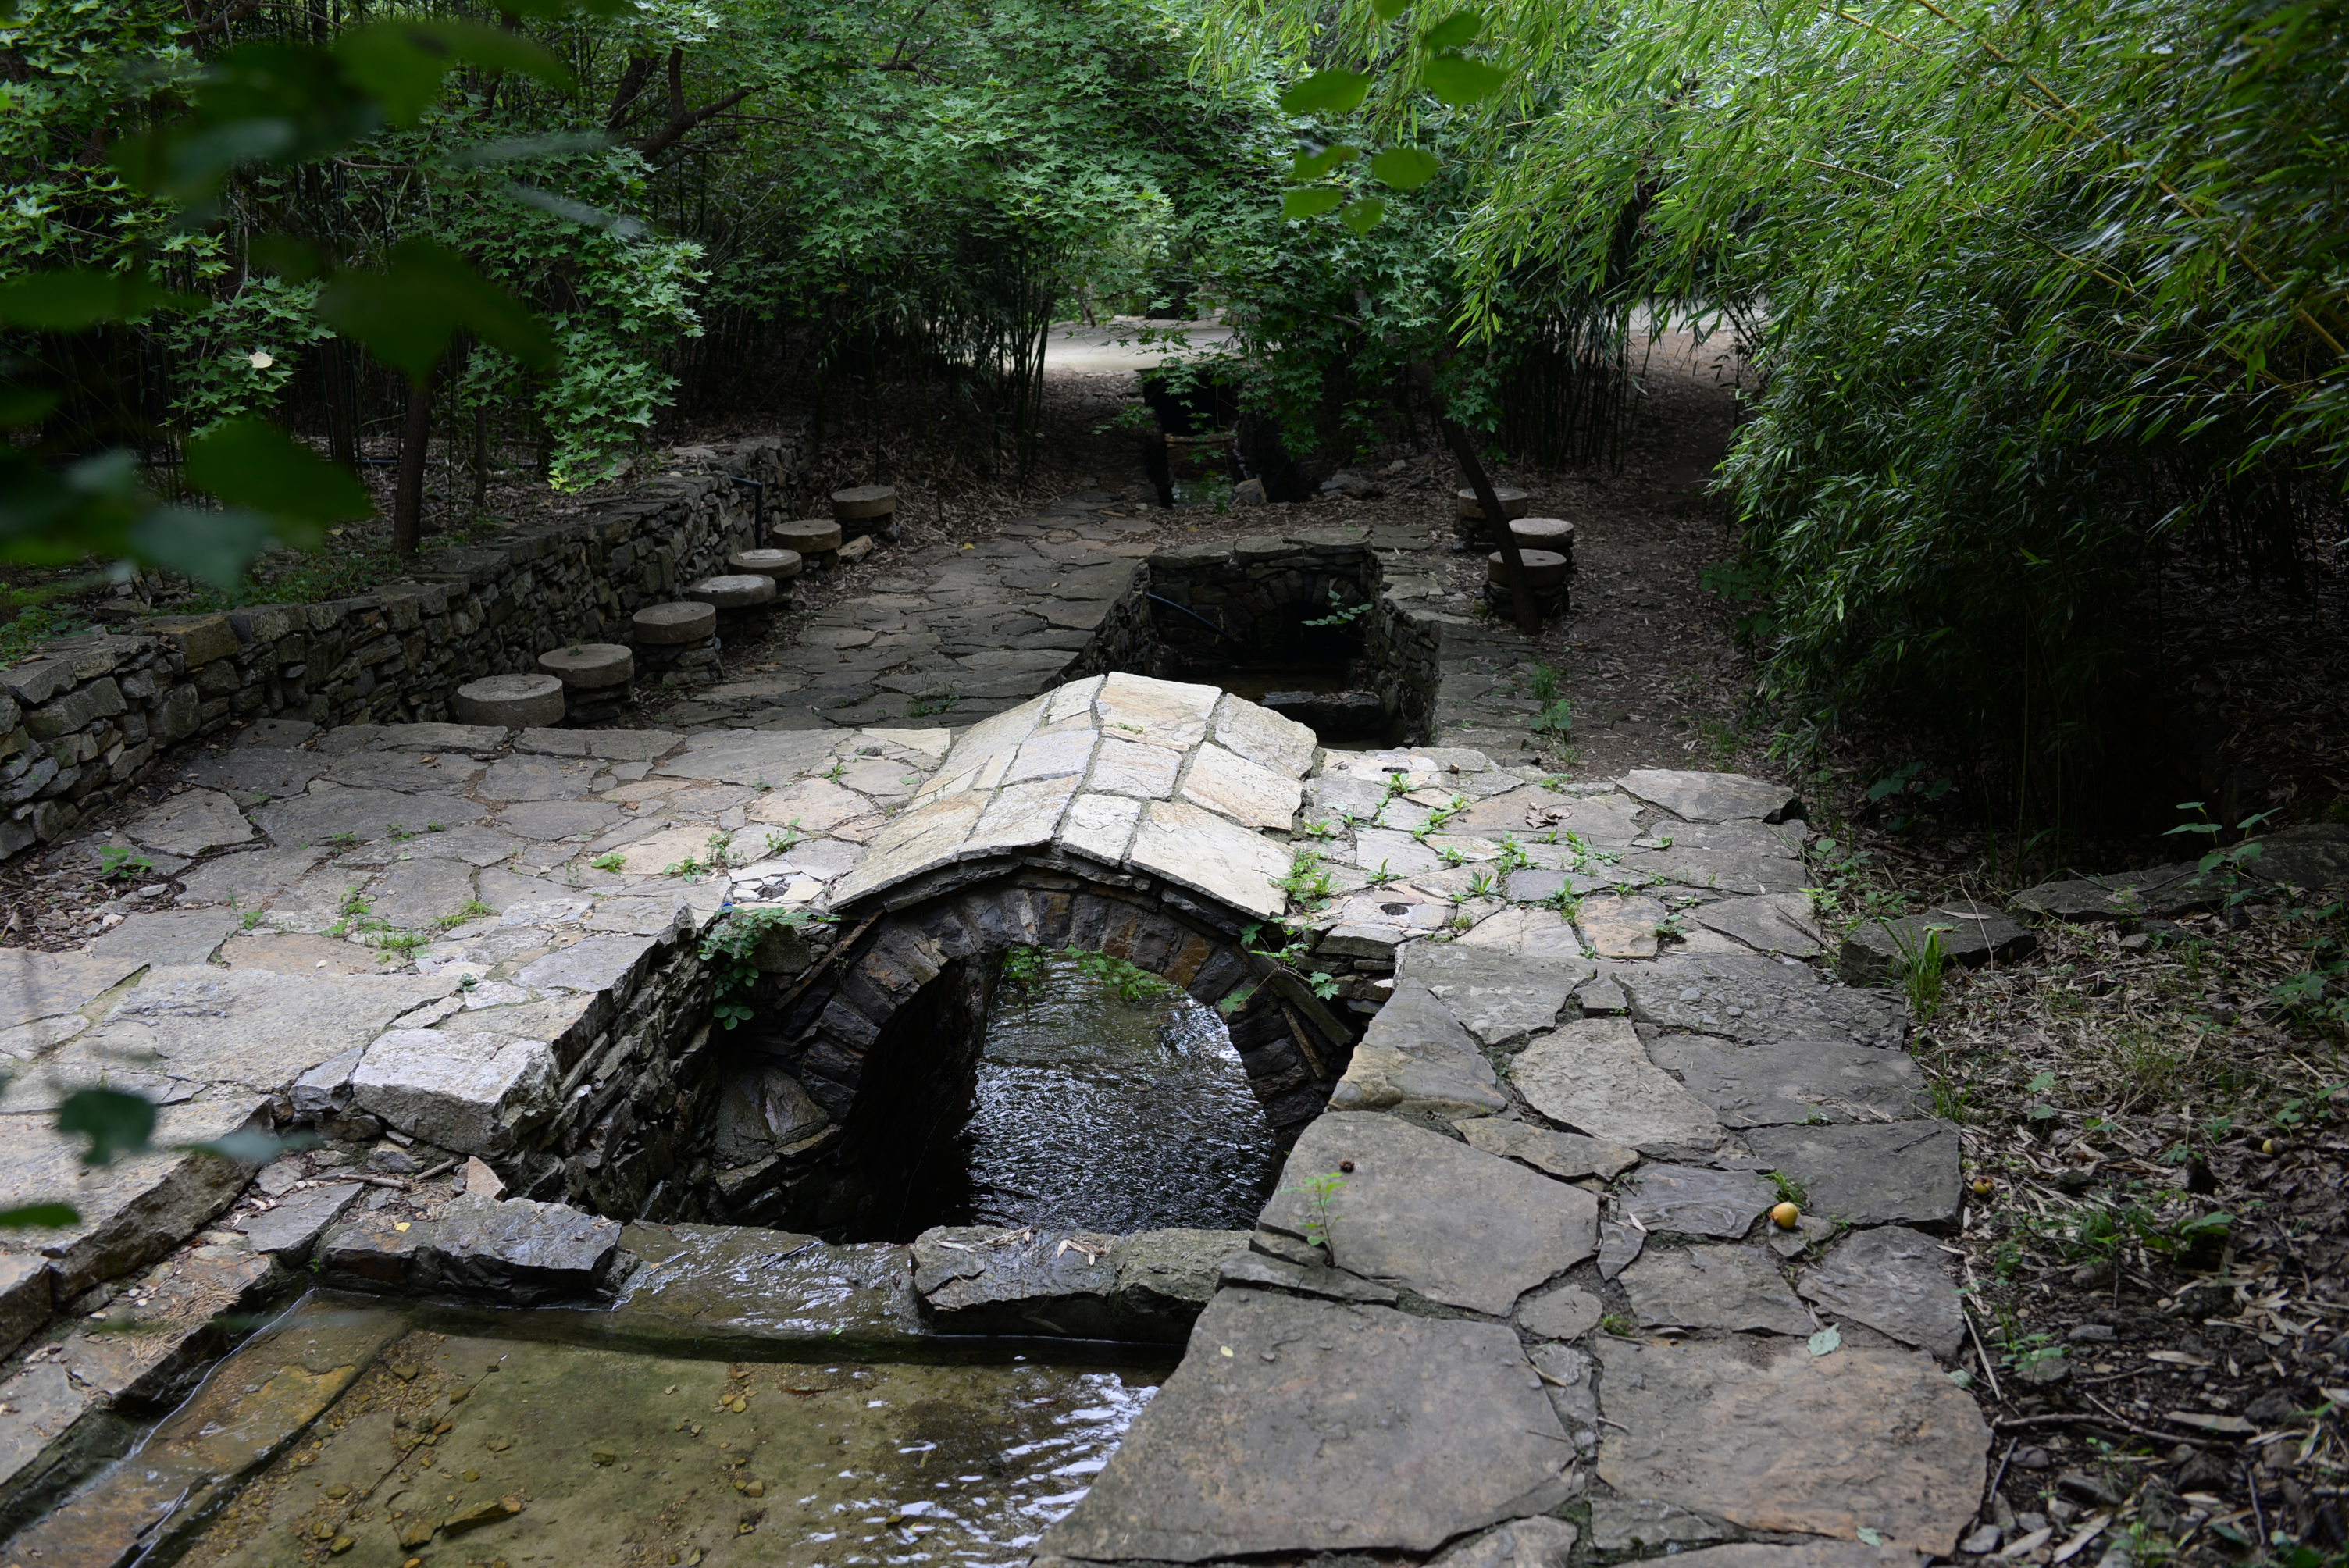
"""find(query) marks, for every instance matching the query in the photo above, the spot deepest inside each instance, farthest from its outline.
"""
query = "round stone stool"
(590, 666)
(594, 677)
(782, 565)
(745, 591)
(680, 635)
(1551, 533)
(1471, 519)
(1545, 569)
(1547, 573)
(865, 508)
(816, 539)
(674, 624)
(515, 702)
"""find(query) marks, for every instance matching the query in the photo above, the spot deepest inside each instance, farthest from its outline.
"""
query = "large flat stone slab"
(1895, 1281)
(191, 824)
(1433, 1215)
(1794, 1080)
(1728, 1288)
(1758, 999)
(1806, 1554)
(1500, 998)
(1416, 1056)
(1310, 1426)
(1767, 923)
(1878, 951)
(328, 815)
(1711, 797)
(1868, 1173)
(1696, 1200)
(1565, 1155)
(1538, 1542)
(752, 757)
(251, 1028)
(1594, 1077)
(1212, 855)
(1770, 1437)
(1151, 1285)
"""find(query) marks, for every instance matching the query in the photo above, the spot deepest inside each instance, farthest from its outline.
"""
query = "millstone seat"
(594, 677)
(815, 539)
(735, 591)
(865, 508)
(778, 565)
(1551, 533)
(1514, 502)
(515, 702)
(590, 666)
(680, 635)
(1545, 574)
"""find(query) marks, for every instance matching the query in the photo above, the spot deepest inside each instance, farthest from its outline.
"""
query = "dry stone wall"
(88, 719)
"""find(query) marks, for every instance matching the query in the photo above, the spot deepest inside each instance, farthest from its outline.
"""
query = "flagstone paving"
(1521, 1269)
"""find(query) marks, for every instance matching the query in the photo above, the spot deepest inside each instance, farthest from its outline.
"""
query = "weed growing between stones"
(1319, 1191)
(731, 950)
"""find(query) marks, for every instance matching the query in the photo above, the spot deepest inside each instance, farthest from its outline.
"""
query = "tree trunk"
(414, 446)
(342, 422)
(481, 459)
(1513, 565)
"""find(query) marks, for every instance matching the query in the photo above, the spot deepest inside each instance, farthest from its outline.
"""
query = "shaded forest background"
(2042, 308)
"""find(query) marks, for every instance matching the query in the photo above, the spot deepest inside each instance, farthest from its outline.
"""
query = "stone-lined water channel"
(474, 1437)
(1095, 1110)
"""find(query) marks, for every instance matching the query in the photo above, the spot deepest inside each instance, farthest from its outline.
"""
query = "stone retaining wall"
(90, 717)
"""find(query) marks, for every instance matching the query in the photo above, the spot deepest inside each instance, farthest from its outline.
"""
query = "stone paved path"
(1521, 1267)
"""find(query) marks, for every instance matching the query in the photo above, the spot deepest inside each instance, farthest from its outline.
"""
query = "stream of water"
(618, 1456)
(1095, 1112)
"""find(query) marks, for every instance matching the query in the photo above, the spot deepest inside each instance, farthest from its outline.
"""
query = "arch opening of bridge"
(1119, 815)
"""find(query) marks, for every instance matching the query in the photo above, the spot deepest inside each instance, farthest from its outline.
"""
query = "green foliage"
(121, 861)
(730, 949)
(2039, 300)
(1922, 967)
(1319, 1189)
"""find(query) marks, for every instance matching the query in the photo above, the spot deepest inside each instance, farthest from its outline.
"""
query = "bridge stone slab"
(1300, 1425)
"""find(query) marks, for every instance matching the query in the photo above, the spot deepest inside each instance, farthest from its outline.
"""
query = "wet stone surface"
(560, 1453)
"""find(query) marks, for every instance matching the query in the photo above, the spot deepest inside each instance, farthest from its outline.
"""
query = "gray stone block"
(1422, 1212)
(1868, 1173)
(464, 1090)
(1895, 1282)
(1301, 1425)
(1151, 1285)
(1499, 997)
(291, 1228)
(516, 1251)
(1773, 1438)
(1878, 951)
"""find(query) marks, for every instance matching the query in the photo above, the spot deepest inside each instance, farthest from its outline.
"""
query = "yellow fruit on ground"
(1981, 1186)
(1784, 1216)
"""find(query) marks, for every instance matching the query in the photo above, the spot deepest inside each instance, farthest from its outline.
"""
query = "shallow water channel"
(1101, 1111)
(461, 1446)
